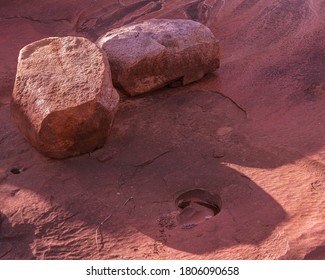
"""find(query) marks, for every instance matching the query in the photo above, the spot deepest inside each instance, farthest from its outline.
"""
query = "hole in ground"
(196, 206)
(17, 170)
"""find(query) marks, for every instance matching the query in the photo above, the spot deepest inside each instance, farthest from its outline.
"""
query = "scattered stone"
(225, 130)
(218, 153)
(197, 206)
(105, 156)
(193, 215)
(158, 52)
(63, 100)
(218, 150)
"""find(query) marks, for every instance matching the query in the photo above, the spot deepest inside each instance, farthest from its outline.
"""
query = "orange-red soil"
(252, 133)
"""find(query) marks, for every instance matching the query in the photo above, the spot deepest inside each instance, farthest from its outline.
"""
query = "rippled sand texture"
(252, 133)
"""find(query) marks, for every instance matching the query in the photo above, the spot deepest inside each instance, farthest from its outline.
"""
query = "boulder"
(63, 99)
(158, 52)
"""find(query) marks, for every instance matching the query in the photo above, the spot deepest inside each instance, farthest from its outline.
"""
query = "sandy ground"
(252, 133)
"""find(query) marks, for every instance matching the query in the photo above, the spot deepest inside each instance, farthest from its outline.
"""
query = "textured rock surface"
(157, 52)
(63, 100)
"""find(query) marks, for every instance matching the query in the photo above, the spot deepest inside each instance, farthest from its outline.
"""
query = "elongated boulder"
(63, 99)
(158, 52)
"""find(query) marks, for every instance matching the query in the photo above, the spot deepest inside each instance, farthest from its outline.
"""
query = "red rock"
(63, 101)
(157, 52)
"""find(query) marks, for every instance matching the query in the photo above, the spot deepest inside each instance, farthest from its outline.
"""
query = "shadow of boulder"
(317, 253)
(15, 240)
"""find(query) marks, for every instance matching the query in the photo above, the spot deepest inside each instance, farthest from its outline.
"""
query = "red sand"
(253, 133)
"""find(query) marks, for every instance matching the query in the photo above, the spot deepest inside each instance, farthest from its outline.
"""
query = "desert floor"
(252, 133)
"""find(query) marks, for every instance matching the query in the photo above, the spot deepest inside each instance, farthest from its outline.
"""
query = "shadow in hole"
(15, 240)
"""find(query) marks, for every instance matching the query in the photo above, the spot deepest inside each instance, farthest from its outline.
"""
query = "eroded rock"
(63, 99)
(158, 52)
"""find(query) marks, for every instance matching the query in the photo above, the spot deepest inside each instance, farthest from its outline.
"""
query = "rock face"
(157, 52)
(63, 101)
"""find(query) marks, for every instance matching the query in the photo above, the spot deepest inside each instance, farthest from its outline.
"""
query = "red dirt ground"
(252, 133)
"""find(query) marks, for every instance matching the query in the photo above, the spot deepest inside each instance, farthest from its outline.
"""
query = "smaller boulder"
(63, 99)
(158, 52)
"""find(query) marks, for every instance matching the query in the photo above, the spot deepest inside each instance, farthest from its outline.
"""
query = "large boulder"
(63, 99)
(158, 52)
